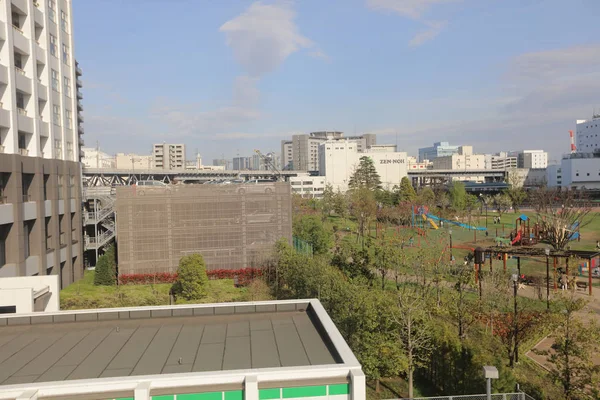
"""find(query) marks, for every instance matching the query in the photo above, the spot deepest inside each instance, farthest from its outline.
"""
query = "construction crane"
(269, 161)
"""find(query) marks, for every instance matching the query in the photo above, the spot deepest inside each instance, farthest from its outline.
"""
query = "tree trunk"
(377, 386)
(410, 383)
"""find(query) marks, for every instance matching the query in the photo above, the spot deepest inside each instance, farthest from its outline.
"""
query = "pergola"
(517, 252)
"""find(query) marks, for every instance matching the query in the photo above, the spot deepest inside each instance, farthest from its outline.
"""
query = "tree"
(327, 201)
(106, 268)
(561, 214)
(426, 197)
(340, 204)
(413, 330)
(191, 277)
(502, 203)
(365, 175)
(459, 305)
(364, 208)
(515, 189)
(458, 195)
(386, 256)
(407, 192)
(575, 347)
(310, 229)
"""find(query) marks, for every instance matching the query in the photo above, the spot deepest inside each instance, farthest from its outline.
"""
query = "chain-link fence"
(497, 396)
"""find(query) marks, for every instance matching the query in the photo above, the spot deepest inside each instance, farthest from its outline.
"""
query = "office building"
(94, 158)
(310, 187)
(576, 171)
(463, 160)
(219, 162)
(133, 162)
(40, 193)
(232, 226)
(532, 159)
(302, 152)
(501, 160)
(288, 349)
(414, 164)
(339, 160)
(168, 156)
(588, 134)
(241, 163)
(439, 149)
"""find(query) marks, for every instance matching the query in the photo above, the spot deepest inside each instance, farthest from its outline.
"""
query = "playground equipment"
(434, 220)
(433, 224)
(524, 234)
(460, 224)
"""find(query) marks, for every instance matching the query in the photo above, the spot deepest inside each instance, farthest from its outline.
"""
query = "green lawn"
(83, 294)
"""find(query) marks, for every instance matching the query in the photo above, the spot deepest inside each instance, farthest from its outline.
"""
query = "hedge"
(244, 276)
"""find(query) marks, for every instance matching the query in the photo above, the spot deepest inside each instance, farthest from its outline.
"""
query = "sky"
(229, 76)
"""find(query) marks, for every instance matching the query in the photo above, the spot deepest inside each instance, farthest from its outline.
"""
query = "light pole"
(450, 233)
(547, 251)
(515, 279)
(490, 372)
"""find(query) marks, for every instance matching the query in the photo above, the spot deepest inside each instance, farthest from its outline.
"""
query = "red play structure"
(524, 234)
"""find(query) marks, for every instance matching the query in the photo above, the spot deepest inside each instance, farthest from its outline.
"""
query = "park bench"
(581, 285)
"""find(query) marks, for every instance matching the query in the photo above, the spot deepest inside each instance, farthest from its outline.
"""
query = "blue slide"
(575, 235)
(447, 221)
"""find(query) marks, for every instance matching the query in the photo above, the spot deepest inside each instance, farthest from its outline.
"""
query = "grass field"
(84, 294)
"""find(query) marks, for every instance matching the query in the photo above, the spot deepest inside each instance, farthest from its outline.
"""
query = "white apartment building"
(40, 193)
(588, 134)
(168, 156)
(414, 164)
(94, 158)
(302, 152)
(502, 160)
(133, 162)
(532, 159)
(308, 186)
(339, 159)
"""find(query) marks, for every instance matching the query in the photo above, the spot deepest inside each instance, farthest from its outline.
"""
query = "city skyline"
(489, 75)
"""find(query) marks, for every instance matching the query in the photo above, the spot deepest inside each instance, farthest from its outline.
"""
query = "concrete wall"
(54, 247)
(20, 292)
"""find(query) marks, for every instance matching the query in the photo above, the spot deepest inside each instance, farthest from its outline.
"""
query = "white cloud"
(435, 28)
(414, 9)
(263, 36)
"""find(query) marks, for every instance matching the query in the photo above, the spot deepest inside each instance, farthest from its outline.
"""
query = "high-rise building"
(219, 162)
(588, 134)
(532, 159)
(501, 160)
(168, 156)
(302, 152)
(40, 193)
(241, 163)
(439, 149)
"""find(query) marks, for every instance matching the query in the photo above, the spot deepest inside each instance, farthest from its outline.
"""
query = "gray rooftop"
(57, 351)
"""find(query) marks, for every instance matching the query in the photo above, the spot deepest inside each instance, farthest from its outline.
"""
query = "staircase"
(103, 217)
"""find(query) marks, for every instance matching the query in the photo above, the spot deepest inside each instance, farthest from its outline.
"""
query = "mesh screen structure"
(232, 226)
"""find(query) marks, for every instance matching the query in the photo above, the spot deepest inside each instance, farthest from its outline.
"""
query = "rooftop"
(162, 340)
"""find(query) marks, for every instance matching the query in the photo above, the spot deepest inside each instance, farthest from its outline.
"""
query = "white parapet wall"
(30, 294)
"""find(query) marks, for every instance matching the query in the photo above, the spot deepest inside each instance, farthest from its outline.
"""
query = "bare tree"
(561, 215)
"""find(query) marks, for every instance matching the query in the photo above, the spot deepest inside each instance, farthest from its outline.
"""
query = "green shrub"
(191, 278)
(106, 268)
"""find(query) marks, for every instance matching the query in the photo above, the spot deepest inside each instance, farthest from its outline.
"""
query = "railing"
(23, 152)
(496, 396)
(63, 239)
(20, 70)
(22, 111)
(16, 28)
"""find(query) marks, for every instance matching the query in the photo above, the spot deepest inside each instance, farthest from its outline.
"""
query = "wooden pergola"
(517, 252)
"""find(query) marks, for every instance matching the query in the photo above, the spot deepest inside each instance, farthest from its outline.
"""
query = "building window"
(56, 114)
(69, 120)
(60, 185)
(67, 86)
(27, 228)
(65, 54)
(63, 21)
(48, 234)
(55, 82)
(52, 11)
(46, 179)
(69, 150)
(53, 45)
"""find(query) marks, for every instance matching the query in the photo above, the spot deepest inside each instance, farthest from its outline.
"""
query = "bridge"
(425, 177)
(97, 177)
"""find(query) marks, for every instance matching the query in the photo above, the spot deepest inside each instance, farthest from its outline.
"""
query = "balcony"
(21, 5)
(78, 82)
(80, 117)
(78, 71)
(38, 16)
(1, 150)
(4, 118)
(79, 95)
(42, 91)
(23, 82)
(3, 74)
(81, 130)
(2, 31)
(40, 54)
(24, 152)
(24, 122)
(79, 106)
(21, 43)
(44, 128)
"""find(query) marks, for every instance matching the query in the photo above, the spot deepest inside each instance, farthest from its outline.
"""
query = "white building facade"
(588, 135)
(94, 158)
(134, 162)
(580, 171)
(339, 159)
(502, 161)
(460, 162)
(533, 159)
(168, 156)
(308, 186)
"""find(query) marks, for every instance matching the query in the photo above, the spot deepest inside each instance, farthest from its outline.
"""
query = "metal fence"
(497, 396)
(302, 246)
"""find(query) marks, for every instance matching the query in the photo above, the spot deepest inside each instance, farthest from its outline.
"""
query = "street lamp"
(486, 208)
(450, 233)
(515, 279)
(547, 251)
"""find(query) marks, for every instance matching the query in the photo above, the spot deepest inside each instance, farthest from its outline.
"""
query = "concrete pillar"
(251, 388)
(358, 386)
(142, 391)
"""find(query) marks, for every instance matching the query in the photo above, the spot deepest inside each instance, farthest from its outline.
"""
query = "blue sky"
(228, 76)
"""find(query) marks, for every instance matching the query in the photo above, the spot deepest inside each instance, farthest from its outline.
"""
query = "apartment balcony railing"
(22, 111)
(20, 70)
(63, 239)
(79, 95)
(16, 28)
(23, 152)
(78, 71)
